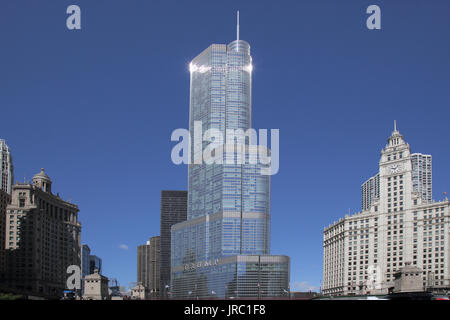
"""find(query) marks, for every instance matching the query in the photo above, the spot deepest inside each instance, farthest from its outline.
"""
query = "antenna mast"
(237, 30)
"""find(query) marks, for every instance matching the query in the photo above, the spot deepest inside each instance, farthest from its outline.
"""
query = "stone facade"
(363, 252)
(139, 292)
(42, 239)
(408, 279)
(95, 287)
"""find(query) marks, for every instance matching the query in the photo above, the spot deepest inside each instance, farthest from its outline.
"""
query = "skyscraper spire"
(395, 125)
(237, 29)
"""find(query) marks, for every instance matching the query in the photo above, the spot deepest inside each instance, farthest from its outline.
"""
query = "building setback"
(148, 267)
(42, 239)
(363, 252)
(173, 211)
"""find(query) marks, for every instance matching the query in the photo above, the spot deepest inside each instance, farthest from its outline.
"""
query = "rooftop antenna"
(395, 125)
(237, 30)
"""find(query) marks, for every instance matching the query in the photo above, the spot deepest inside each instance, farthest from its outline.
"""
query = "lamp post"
(166, 287)
(259, 291)
(196, 292)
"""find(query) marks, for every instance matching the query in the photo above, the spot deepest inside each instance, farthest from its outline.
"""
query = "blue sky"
(96, 107)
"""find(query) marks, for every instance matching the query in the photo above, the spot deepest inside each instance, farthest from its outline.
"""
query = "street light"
(196, 292)
(259, 291)
(165, 290)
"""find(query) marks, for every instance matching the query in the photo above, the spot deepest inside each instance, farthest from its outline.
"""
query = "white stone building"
(95, 287)
(362, 252)
(139, 292)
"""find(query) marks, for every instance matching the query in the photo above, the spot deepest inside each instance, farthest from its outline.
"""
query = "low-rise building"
(96, 287)
(139, 292)
(408, 279)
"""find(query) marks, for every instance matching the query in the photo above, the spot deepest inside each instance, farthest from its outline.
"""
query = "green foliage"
(9, 296)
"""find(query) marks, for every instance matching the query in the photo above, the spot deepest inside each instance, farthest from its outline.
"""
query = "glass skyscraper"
(95, 263)
(223, 249)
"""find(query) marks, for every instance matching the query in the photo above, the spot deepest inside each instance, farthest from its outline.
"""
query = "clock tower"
(399, 226)
(395, 174)
(395, 204)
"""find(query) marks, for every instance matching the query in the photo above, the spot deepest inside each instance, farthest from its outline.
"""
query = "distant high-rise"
(43, 239)
(6, 182)
(95, 263)
(85, 260)
(6, 168)
(422, 175)
(370, 191)
(173, 211)
(143, 259)
(5, 199)
(85, 264)
(148, 267)
(155, 265)
(223, 249)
